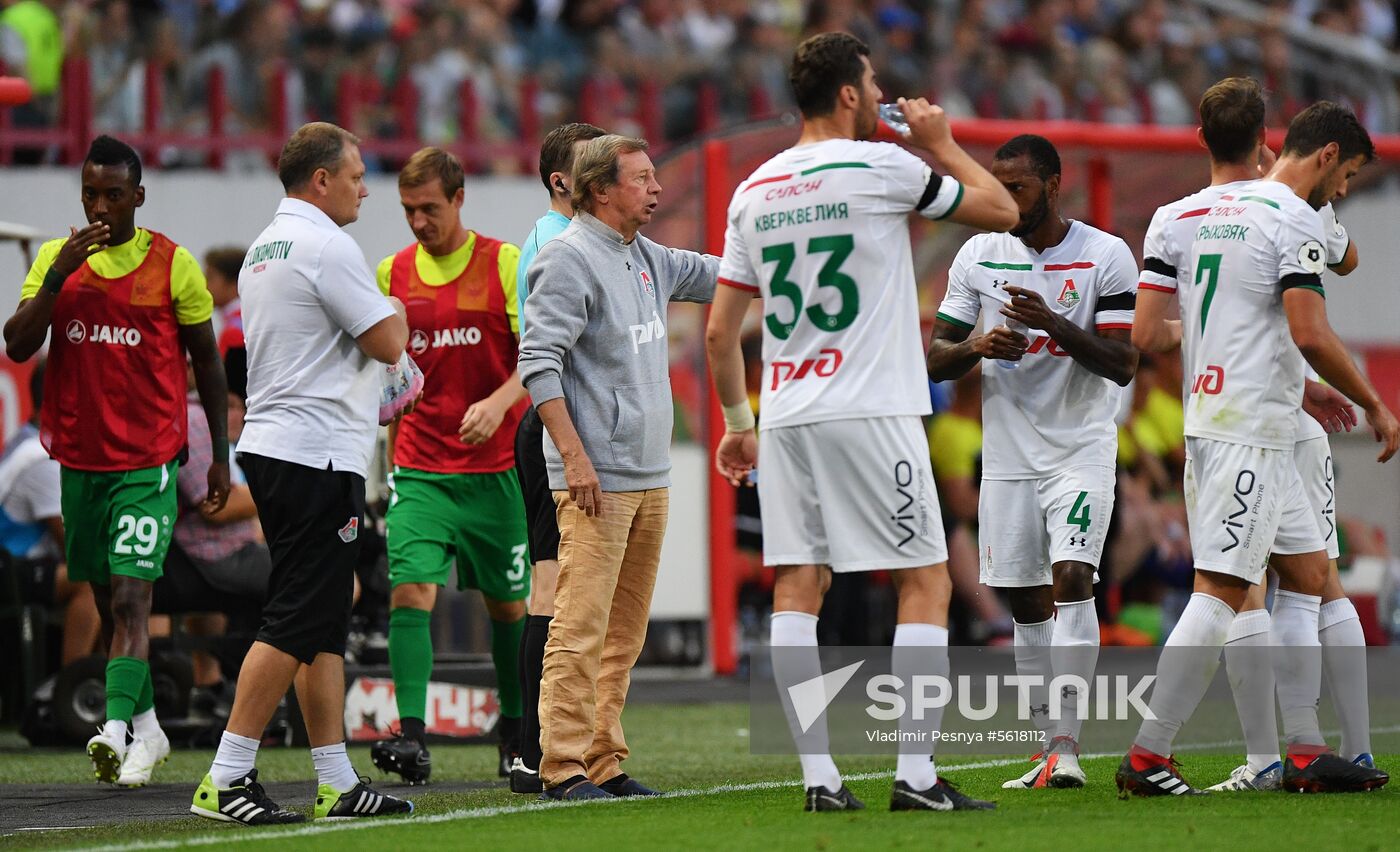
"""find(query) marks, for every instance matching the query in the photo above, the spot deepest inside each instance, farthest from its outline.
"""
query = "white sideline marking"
(256, 834)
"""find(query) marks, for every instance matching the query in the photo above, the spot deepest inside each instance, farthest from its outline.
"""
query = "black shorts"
(311, 519)
(540, 511)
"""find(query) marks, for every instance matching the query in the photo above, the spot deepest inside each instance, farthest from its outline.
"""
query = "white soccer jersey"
(1246, 374)
(1337, 244)
(1049, 412)
(1166, 260)
(821, 233)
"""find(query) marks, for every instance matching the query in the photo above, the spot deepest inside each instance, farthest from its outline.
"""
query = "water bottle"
(893, 117)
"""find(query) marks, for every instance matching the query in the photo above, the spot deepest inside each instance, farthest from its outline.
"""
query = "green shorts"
(474, 519)
(118, 522)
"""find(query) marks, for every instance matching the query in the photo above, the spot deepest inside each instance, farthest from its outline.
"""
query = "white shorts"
(1238, 498)
(1025, 526)
(1313, 459)
(856, 494)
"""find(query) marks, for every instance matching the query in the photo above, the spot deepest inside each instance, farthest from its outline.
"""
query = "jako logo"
(114, 334)
(456, 337)
(824, 366)
(903, 478)
(647, 332)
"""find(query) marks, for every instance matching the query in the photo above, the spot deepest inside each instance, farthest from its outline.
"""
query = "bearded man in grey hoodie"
(594, 358)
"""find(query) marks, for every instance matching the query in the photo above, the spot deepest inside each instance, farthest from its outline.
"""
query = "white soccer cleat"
(106, 754)
(1062, 768)
(1243, 778)
(142, 757)
(1031, 779)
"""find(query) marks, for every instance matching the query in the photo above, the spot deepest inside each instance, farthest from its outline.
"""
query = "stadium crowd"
(1116, 61)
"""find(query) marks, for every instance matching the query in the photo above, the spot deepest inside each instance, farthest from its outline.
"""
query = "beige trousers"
(607, 570)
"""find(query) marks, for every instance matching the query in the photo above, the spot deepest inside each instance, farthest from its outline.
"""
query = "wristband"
(53, 281)
(738, 418)
(221, 450)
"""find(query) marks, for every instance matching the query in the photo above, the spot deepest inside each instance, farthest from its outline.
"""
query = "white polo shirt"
(313, 396)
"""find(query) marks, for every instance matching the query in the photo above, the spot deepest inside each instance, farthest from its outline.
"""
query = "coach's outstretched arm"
(1307, 322)
(26, 330)
(985, 203)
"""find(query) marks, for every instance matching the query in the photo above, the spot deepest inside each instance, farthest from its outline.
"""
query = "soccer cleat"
(1328, 773)
(624, 786)
(142, 757)
(1364, 759)
(507, 758)
(360, 802)
(1158, 779)
(575, 789)
(523, 779)
(1243, 778)
(246, 804)
(1032, 779)
(106, 755)
(404, 756)
(942, 796)
(822, 799)
(508, 729)
(1062, 769)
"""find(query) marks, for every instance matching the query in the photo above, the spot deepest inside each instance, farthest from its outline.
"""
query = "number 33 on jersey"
(821, 233)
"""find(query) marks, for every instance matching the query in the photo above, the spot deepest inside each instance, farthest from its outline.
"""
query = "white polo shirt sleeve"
(347, 288)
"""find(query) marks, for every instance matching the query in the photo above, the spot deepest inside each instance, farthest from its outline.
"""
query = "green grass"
(705, 747)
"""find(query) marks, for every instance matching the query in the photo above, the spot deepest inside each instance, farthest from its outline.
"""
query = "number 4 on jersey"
(1079, 513)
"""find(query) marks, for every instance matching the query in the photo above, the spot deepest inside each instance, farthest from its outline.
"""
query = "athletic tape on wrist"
(738, 418)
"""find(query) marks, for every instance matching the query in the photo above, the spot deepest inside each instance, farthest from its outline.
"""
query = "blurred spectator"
(31, 529)
(389, 68)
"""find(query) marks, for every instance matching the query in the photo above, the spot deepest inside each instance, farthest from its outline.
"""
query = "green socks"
(410, 659)
(129, 689)
(505, 653)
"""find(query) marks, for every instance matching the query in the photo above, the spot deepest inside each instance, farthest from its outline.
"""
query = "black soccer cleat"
(403, 756)
(246, 804)
(1159, 779)
(508, 729)
(942, 796)
(523, 779)
(822, 799)
(360, 802)
(1328, 773)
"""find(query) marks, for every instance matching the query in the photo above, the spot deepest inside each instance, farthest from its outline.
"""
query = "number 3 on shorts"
(144, 529)
(1079, 512)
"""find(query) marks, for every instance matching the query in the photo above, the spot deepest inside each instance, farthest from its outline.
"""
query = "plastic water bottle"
(894, 118)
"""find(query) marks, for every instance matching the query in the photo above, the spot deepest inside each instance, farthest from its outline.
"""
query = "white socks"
(793, 636)
(1074, 651)
(1184, 673)
(1344, 666)
(1298, 665)
(1033, 660)
(233, 761)
(145, 725)
(919, 649)
(333, 768)
(1250, 668)
(115, 730)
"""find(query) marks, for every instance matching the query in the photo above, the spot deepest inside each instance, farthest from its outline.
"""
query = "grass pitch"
(724, 798)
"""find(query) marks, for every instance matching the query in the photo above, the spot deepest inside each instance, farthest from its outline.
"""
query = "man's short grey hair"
(596, 165)
(318, 145)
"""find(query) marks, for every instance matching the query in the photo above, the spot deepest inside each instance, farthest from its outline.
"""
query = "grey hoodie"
(595, 334)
